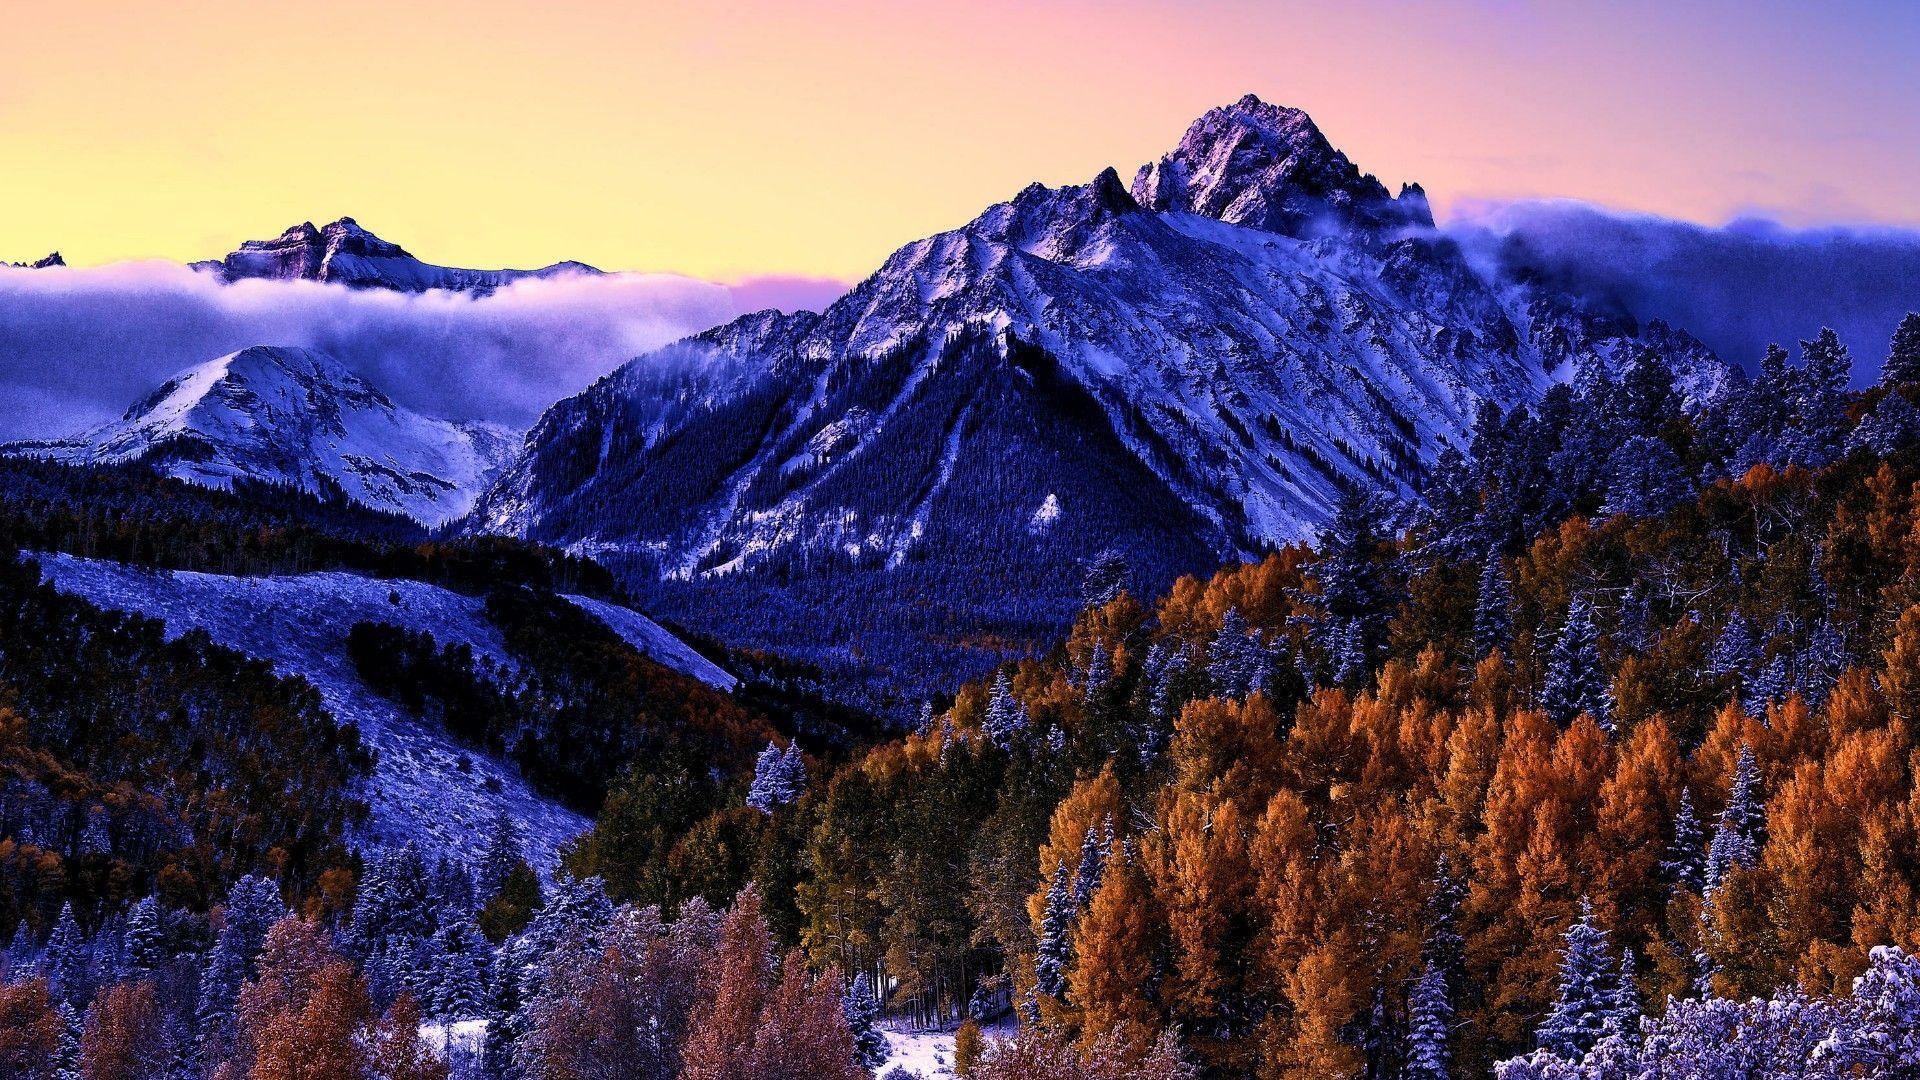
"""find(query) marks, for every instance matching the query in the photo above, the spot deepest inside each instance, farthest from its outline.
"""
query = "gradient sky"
(727, 139)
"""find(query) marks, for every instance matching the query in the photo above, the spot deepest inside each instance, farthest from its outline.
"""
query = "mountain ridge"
(296, 416)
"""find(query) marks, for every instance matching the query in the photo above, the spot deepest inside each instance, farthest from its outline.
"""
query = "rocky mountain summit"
(344, 253)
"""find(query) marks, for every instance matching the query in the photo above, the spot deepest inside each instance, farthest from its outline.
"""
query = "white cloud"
(78, 345)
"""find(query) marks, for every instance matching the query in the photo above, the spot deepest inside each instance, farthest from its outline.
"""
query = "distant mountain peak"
(53, 259)
(298, 417)
(1269, 167)
(345, 252)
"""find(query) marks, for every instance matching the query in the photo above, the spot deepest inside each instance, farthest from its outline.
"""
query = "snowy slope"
(656, 642)
(296, 416)
(344, 253)
(425, 786)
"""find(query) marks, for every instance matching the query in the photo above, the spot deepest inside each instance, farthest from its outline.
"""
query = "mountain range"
(907, 486)
(1182, 370)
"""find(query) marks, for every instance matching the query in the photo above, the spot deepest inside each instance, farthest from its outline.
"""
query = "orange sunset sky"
(731, 139)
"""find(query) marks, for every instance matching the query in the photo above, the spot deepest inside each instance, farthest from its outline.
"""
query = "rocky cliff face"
(1186, 371)
(294, 416)
(344, 253)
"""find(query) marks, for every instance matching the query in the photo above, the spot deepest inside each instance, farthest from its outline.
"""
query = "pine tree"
(65, 959)
(1099, 673)
(1492, 609)
(66, 1057)
(1576, 682)
(1903, 359)
(393, 916)
(1623, 1010)
(1429, 1054)
(1586, 994)
(460, 983)
(1734, 650)
(1820, 400)
(1006, 720)
(1356, 590)
(1742, 826)
(870, 1047)
(1236, 659)
(1645, 478)
(503, 852)
(146, 939)
(1056, 937)
(252, 909)
(779, 778)
(1686, 861)
(1093, 861)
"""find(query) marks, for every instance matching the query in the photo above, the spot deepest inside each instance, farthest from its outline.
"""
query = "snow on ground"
(462, 1039)
(656, 642)
(425, 787)
(929, 1054)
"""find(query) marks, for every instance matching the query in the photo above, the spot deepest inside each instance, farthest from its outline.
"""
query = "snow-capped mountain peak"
(1269, 167)
(1197, 368)
(298, 417)
(344, 252)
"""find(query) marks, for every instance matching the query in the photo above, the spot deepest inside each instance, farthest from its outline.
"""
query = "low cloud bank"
(1736, 287)
(77, 346)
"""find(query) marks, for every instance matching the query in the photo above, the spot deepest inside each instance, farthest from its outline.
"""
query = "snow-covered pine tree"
(66, 958)
(145, 941)
(1356, 592)
(1099, 673)
(1576, 681)
(1686, 862)
(1093, 861)
(1444, 945)
(502, 853)
(1623, 1011)
(1893, 425)
(1492, 609)
(573, 917)
(460, 986)
(1106, 578)
(1056, 937)
(1734, 650)
(393, 916)
(1006, 720)
(1429, 1054)
(1585, 994)
(66, 1055)
(1903, 357)
(779, 777)
(862, 1010)
(1742, 825)
(1821, 403)
(1236, 659)
(1645, 478)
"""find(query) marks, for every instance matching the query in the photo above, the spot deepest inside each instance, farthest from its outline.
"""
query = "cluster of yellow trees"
(1275, 875)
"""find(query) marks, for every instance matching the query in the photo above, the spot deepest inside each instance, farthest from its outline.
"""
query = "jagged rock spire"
(1269, 167)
